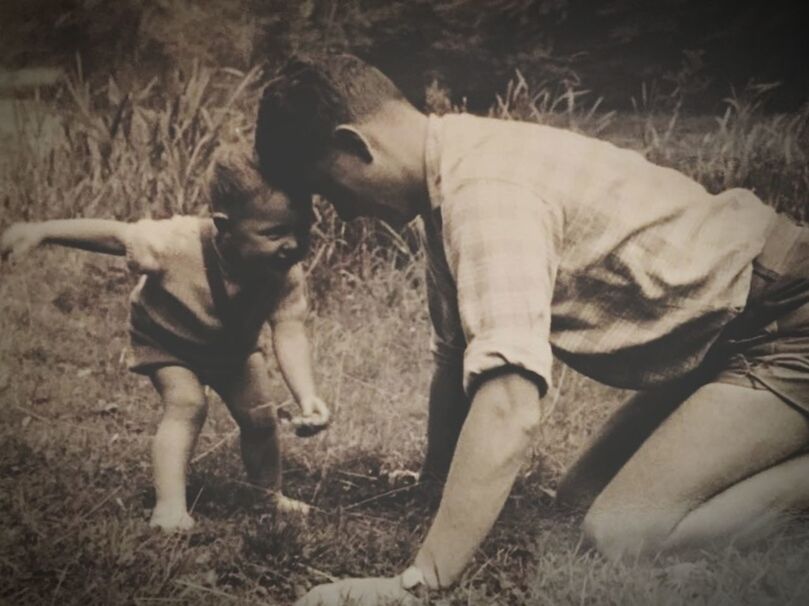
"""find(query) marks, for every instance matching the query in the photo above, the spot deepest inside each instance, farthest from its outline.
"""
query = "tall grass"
(743, 147)
(127, 154)
(563, 104)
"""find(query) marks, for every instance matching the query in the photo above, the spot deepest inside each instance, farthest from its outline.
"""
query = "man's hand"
(361, 592)
(20, 238)
(314, 417)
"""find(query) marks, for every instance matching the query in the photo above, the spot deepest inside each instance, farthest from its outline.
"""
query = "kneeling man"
(542, 241)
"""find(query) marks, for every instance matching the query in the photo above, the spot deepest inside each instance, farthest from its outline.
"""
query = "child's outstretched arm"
(95, 235)
(294, 357)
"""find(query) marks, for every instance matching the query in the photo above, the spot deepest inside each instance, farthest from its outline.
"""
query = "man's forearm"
(292, 351)
(448, 409)
(502, 422)
(95, 235)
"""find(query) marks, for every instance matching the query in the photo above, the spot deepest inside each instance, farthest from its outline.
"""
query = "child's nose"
(289, 245)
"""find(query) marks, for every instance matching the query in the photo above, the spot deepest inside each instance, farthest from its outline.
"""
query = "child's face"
(268, 233)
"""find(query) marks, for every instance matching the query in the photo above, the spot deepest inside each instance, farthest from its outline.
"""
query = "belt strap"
(213, 272)
(780, 247)
(235, 323)
(780, 282)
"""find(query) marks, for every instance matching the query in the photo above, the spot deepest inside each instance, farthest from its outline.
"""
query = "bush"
(680, 48)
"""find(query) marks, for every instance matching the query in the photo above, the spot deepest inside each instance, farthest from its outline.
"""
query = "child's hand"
(314, 418)
(20, 238)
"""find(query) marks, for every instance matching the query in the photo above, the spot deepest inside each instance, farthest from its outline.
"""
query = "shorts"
(767, 346)
(212, 364)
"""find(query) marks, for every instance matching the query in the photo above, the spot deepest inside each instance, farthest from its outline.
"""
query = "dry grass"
(75, 426)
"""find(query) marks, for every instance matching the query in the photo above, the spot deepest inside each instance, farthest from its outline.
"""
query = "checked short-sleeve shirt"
(541, 240)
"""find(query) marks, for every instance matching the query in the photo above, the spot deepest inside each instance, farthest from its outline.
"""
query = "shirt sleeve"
(292, 304)
(151, 241)
(501, 243)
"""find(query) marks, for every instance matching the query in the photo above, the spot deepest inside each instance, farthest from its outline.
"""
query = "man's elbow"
(527, 417)
(513, 401)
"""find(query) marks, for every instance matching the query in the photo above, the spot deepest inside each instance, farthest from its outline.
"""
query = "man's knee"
(619, 534)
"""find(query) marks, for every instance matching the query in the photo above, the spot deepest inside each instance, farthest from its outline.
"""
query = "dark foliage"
(681, 49)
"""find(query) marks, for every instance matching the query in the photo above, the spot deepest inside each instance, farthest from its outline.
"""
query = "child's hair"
(234, 179)
(302, 105)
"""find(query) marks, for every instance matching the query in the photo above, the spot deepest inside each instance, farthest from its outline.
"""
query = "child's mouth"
(284, 261)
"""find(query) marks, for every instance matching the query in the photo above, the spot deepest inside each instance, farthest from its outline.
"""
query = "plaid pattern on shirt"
(542, 240)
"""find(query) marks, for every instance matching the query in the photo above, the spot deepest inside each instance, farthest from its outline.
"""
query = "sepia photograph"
(352, 302)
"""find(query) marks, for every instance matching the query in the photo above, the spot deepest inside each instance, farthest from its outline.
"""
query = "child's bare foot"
(403, 477)
(175, 520)
(284, 504)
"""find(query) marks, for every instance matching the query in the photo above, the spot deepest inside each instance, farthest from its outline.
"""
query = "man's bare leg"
(752, 509)
(616, 441)
(716, 455)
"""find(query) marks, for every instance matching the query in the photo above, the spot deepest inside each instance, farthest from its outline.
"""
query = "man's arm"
(95, 235)
(501, 425)
(449, 407)
(500, 243)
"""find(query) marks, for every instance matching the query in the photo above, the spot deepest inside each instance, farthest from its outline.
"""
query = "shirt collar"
(228, 271)
(432, 159)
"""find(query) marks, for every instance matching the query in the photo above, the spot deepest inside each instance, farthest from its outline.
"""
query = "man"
(542, 240)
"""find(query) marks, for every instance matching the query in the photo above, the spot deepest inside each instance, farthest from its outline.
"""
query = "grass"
(75, 427)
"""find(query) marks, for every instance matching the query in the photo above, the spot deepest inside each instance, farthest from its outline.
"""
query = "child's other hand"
(314, 417)
(20, 238)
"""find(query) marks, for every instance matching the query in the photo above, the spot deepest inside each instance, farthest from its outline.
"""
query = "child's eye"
(275, 232)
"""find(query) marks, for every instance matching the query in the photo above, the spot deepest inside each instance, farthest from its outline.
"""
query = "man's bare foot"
(284, 504)
(171, 520)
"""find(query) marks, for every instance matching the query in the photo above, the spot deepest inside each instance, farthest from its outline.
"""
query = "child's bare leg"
(247, 395)
(184, 411)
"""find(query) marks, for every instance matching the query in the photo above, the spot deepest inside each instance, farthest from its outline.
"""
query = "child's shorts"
(767, 347)
(212, 365)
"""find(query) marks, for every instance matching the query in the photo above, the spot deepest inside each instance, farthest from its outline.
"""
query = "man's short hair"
(303, 104)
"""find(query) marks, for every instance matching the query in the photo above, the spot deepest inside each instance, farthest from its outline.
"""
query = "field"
(75, 426)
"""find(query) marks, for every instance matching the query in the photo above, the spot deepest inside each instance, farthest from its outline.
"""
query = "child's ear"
(221, 221)
(349, 139)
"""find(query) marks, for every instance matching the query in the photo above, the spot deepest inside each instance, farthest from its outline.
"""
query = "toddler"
(207, 287)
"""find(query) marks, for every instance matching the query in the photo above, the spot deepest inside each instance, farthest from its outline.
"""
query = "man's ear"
(349, 139)
(221, 221)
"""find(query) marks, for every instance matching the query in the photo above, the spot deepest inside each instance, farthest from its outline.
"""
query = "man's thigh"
(627, 428)
(719, 436)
